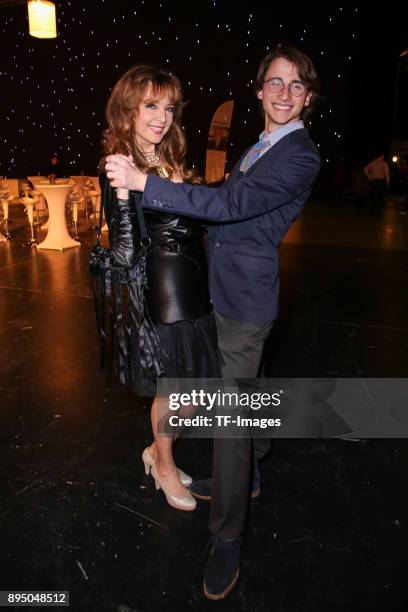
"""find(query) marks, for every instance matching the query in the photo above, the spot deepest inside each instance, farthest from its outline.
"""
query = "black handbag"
(120, 307)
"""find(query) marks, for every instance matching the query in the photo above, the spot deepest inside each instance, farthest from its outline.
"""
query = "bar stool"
(5, 202)
(80, 182)
(75, 202)
(40, 205)
(29, 204)
(4, 192)
(87, 188)
(25, 188)
(2, 189)
(95, 197)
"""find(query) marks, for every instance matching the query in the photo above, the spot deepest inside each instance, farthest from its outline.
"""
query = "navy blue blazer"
(251, 213)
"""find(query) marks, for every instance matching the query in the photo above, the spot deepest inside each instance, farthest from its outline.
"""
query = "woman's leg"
(161, 449)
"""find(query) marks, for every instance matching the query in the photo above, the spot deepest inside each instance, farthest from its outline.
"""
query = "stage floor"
(77, 512)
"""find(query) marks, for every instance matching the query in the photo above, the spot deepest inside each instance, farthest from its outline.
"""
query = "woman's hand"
(122, 172)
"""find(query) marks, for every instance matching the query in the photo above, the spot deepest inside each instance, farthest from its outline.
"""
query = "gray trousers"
(240, 346)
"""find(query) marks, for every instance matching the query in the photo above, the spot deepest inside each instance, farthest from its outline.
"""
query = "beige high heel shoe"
(148, 461)
(185, 502)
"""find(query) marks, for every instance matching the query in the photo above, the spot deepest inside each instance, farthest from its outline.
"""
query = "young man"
(254, 209)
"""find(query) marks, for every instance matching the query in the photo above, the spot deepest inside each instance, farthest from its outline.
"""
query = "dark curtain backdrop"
(53, 92)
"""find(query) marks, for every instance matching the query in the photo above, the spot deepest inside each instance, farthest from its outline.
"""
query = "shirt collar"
(273, 137)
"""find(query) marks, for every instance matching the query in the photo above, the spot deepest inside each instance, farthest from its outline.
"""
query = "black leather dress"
(176, 292)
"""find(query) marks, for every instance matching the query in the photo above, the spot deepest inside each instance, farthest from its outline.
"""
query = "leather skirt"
(177, 285)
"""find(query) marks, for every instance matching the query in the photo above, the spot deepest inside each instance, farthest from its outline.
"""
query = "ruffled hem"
(189, 350)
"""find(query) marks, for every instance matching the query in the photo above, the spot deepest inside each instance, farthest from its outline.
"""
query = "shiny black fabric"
(177, 287)
(176, 269)
(176, 291)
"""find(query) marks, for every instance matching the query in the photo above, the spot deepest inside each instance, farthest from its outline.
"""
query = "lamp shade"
(41, 19)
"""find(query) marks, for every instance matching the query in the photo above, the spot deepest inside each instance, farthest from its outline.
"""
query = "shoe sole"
(177, 507)
(254, 494)
(227, 591)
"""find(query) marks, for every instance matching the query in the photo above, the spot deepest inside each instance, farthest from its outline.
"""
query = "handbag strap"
(144, 238)
(99, 229)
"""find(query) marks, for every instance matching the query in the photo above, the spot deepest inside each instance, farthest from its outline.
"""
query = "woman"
(144, 121)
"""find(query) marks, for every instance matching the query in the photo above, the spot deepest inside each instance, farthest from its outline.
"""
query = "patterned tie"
(253, 154)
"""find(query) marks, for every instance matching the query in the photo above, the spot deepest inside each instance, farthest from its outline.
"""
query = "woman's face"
(153, 120)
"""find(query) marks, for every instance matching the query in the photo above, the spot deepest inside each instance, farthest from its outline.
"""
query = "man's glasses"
(296, 88)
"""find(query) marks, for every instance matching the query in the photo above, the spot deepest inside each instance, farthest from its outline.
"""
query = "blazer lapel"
(273, 150)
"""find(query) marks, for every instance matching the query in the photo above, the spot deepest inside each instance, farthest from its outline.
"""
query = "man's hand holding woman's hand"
(122, 173)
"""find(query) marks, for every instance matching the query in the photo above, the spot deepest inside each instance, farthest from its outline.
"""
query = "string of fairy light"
(55, 91)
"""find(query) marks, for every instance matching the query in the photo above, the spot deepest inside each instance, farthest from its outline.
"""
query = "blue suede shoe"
(222, 570)
(201, 489)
